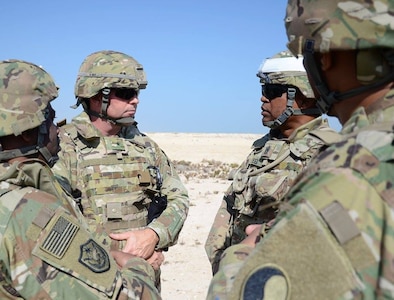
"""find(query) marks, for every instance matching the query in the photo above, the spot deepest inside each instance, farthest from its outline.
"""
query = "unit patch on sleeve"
(94, 257)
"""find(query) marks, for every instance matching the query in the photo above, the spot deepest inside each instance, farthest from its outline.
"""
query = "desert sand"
(186, 272)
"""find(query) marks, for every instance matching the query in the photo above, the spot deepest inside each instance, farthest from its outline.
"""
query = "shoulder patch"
(60, 237)
(260, 283)
(94, 257)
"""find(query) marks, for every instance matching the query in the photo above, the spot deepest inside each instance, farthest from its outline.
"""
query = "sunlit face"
(274, 99)
(123, 103)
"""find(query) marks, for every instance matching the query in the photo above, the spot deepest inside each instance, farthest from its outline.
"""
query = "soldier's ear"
(326, 61)
(95, 102)
(30, 136)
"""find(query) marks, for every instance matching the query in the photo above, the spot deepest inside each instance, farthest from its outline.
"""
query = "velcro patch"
(258, 284)
(94, 257)
(302, 248)
(60, 237)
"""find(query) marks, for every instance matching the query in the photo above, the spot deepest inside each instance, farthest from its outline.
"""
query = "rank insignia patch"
(94, 257)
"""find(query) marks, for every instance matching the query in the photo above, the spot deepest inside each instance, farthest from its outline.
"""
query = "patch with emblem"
(94, 257)
(60, 237)
(267, 282)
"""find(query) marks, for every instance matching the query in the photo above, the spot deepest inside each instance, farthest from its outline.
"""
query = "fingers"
(156, 260)
(250, 228)
(119, 236)
(120, 257)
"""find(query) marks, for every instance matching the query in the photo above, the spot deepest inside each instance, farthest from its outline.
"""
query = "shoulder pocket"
(67, 246)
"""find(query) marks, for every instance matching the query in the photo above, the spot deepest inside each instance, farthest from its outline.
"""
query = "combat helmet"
(105, 70)
(323, 26)
(25, 93)
(284, 68)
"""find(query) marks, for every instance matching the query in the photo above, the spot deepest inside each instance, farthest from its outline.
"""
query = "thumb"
(119, 236)
(252, 227)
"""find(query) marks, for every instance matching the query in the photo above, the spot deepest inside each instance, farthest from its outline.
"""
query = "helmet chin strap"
(103, 114)
(43, 150)
(286, 113)
(327, 97)
(31, 150)
(289, 111)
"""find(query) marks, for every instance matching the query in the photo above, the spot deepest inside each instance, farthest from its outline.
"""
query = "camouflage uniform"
(261, 181)
(121, 178)
(335, 238)
(270, 169)
(46, 251)
(120, 173)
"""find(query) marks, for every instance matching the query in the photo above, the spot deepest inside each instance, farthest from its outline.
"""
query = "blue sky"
(200, 56)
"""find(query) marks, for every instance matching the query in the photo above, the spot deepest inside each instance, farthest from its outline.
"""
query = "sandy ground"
(186, 272)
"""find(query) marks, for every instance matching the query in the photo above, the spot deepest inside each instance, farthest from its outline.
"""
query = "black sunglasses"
(126, 94)
(272, 91)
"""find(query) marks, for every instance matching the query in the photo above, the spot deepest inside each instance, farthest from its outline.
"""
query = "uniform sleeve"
(171, 220)
(46, 253)
(218, 236)
(232, 260)
(139, 280)
(338, 215)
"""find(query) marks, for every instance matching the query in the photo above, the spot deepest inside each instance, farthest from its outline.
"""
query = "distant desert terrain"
(203, 161)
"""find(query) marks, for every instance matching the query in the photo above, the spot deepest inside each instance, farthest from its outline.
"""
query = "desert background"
(203, 161)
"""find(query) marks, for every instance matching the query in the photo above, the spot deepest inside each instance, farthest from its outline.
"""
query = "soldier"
(335, 239)
(125, 182)
(46, 250)
(297, 132)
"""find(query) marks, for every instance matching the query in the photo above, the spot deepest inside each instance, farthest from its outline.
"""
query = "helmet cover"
(25, 92)
(108, 69)
(339, 24)
(284, 68)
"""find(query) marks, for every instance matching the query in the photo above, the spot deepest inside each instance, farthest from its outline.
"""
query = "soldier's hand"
(156, 260)
(120, 257)
(253, 232)
(140, 243)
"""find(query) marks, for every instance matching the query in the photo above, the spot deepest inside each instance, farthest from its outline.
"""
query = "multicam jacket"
(261, 181)
(46, 251)
(117, 177)
(335, 240)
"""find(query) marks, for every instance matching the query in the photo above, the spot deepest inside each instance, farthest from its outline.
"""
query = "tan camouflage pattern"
(260, 182)
(73, 265)
(25, 91)
(356, 174)
(108, 69)
(295, 78)
(339, 24)
(108, 176)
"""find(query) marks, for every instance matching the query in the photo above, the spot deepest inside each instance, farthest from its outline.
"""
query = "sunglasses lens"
(126, 94)
(272, 91)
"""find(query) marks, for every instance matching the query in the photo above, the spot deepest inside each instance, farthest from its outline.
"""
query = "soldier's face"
(123, 103)
(273, 105)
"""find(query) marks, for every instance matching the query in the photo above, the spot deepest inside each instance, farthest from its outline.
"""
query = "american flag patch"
(60, 237)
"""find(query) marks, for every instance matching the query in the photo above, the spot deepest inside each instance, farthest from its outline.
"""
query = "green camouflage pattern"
(357, 174)
(339, 24)
(108, 69)
(73, 265)
(260, 182)
(25, 91)
(115, 172)
(286, 77)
